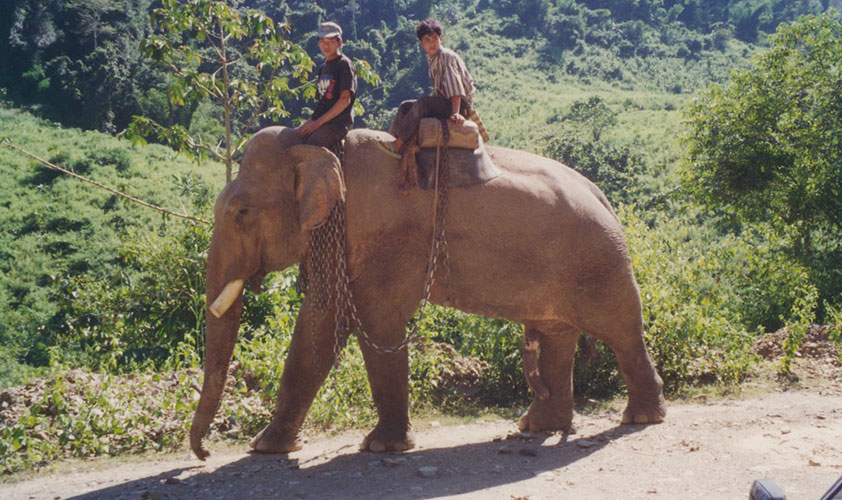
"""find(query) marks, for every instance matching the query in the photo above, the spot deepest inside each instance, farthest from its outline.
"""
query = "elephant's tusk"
(227, 297)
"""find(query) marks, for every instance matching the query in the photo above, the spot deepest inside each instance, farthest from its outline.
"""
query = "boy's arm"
(453, 86)
(455, 106)
(338, 107)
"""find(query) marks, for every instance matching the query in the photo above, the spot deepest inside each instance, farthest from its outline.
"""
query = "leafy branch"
(237, 59)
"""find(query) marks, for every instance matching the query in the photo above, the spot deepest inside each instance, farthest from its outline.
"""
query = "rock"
(546, 475)
(585, 443)
(7, 398)
(393, 461)
(813, 463)
(428, 471)
(528, 452)
(172, 480)
(505, 450)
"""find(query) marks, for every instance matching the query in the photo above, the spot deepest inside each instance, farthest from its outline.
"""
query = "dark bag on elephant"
(465, 167)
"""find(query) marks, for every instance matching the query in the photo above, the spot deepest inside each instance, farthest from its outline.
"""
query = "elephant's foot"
(274, 439)
(547, 415)
(381, 439)
(651, 410)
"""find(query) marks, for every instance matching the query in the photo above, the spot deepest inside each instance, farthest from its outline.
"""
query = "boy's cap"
(329, 29)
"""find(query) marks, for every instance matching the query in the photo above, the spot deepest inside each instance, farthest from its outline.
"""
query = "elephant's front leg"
(388, 375)
(306, 368)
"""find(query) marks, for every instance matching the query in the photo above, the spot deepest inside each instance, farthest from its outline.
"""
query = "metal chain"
(321, 271)
(437, 246)
(326, 263)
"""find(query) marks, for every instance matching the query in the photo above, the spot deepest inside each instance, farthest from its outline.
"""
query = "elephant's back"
(550, 180)
(372, 178)
(369, 167)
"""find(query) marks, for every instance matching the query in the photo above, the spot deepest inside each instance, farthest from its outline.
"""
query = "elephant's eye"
(243, 211)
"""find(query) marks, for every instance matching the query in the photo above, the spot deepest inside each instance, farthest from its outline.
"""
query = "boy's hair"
(426, 27)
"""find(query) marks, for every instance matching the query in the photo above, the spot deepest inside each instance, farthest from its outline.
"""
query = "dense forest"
(713, 128)
(80, 63)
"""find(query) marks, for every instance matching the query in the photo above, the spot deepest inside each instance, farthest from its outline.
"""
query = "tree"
(76, 60)
(91, 14)
(594, 114)
(238, 59)
(767, 147)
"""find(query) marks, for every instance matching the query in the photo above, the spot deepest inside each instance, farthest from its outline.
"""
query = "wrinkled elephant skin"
(539, 245)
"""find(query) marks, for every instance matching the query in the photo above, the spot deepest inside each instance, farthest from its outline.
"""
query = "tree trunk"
(227, 103)
(395, 10)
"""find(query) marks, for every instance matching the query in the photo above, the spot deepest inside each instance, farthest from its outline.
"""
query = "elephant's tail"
(531, 341)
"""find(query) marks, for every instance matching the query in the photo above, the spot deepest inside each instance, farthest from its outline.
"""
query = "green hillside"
(58, 231)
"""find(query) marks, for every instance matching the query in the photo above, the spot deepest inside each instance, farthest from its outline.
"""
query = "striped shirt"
(450, 75)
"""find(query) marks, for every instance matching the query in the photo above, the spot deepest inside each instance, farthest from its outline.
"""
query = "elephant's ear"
(318, 184)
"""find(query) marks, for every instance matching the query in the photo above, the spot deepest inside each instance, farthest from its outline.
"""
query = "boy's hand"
(307, 128)
(458, 119)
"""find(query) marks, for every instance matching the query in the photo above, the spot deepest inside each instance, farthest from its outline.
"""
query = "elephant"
(539, 244)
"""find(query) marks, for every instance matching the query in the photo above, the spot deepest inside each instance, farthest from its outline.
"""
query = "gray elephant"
(539, 244)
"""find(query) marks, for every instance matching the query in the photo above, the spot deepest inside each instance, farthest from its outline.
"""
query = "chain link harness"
(324, 275)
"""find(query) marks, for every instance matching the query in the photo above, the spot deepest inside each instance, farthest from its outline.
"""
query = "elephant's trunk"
(220, 337)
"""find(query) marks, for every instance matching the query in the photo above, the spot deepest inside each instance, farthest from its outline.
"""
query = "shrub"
(802, 316)
(692, 328)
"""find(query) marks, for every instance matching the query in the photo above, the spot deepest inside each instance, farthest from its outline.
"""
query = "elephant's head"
(262, 223)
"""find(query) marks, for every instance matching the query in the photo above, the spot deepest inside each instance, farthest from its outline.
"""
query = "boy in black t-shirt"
(336, 91)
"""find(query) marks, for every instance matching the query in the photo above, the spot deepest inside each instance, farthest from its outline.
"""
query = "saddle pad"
(465, 167)
(464, 137)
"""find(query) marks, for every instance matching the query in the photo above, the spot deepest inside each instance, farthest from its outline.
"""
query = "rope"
(103, 186)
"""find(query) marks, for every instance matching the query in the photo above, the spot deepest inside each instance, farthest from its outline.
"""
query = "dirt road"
(703, 450)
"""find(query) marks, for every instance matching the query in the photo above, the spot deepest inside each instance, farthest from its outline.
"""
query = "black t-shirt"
(334, 77)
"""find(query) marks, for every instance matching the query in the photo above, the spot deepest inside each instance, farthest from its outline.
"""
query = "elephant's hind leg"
(646, 396)
(555, 362)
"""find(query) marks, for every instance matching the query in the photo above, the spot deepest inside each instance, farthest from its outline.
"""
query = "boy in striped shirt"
(453, 89)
